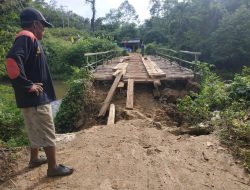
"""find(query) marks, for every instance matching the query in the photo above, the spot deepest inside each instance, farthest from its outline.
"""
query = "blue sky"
(103, 7)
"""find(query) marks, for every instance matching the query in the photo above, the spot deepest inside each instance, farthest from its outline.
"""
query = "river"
(60, 89)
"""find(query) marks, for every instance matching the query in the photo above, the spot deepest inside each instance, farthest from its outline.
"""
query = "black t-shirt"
(27, 64)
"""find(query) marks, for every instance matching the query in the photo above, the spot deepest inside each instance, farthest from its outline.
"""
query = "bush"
(62, 53)
(213, 96)
(150, 49)
(6, 38)
(56, 51)
(73, 103)
(11, 121)
(232, 102)
(240, 87)
(75, 56)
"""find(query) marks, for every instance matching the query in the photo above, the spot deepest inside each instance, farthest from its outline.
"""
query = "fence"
(166, 53)
(94, 59)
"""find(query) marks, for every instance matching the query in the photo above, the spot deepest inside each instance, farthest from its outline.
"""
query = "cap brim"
(46, 24)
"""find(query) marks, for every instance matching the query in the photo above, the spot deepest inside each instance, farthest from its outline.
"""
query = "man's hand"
(37, 88)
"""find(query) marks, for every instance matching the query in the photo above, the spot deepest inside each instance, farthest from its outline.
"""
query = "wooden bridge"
(136, 69)
(163, 69)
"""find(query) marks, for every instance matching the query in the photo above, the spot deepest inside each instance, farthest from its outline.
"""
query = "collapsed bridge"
(135, 69)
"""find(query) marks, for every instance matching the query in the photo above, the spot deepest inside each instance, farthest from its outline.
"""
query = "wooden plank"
(110, 95)
(116, 73)
(111, 118)
(156, 92)
(157, 83)
(152, 68)
(120, 67)
(130, 94)
(121, 84)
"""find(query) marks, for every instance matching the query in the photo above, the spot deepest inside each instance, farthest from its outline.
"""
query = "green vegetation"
(11, 123)
(217, 28)
(151, 49)
(74, 103)
(225, 106)
(65, 50)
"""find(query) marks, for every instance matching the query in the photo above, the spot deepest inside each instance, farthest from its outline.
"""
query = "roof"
(131, 41)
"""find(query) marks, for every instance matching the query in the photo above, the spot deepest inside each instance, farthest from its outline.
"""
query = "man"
(142, 48)
(27, 68)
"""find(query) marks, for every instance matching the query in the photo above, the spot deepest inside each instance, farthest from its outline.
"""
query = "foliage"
(56, 52)
(59, 17)
(155, 35)
(124, 14)
(188, 25)
(239, 89)
(196, 109)
(66, 47)
(234, 32)
(11, 122)
(8, 19)
(232, 103)
(217, 28)
(150, 49)
(126, 32)
(93, 8)
(73, 103)
(75, 55)
(199, 107)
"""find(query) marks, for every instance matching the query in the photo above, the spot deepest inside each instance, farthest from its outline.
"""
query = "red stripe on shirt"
(26, 33)
(12, 68)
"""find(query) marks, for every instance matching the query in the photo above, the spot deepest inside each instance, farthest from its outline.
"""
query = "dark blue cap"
(29, 15)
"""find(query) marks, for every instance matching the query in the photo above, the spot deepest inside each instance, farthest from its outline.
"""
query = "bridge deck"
(137, 71)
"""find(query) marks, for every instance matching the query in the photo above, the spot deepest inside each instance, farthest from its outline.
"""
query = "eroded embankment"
(139, 152)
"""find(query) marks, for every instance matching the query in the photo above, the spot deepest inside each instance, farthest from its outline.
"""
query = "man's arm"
(15, 61)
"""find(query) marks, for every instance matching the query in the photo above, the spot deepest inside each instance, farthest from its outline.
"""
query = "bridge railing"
(172, 54)
(95, 59)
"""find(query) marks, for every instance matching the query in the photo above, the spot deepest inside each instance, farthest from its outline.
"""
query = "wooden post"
(120, 85)
(111, 118)
(130, 94)
(110, 95)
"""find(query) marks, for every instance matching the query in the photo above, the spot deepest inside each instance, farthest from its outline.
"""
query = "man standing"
(27, 68)
(142, 48)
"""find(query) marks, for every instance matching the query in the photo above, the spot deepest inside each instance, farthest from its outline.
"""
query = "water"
(60, 89)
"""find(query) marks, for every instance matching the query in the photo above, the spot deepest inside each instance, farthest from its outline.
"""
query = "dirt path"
(137, 154)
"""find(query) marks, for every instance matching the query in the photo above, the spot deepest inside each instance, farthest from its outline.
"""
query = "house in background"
(131, 45)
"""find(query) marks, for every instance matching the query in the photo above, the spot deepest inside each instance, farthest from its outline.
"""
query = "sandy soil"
(137, 153)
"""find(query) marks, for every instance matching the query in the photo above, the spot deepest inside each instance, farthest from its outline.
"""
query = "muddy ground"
(139, 152)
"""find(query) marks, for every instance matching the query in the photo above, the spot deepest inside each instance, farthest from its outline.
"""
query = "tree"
(156, 8)
(155, 35)
(127, 31)
(123, 15)
(231, 41)
(93, 8)
(127, 13)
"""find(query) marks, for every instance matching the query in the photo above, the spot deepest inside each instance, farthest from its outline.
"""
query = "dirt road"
(138, 154)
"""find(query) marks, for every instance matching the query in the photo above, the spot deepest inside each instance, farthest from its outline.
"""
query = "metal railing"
(163, 52)
(95, 59)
